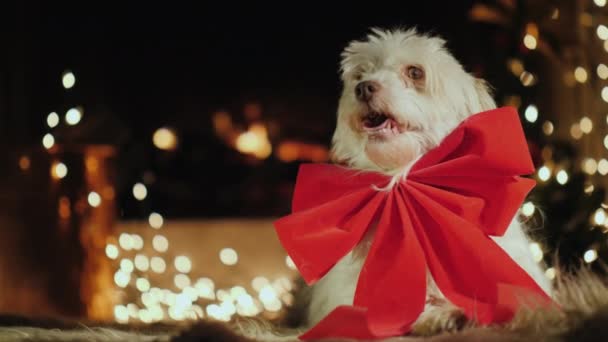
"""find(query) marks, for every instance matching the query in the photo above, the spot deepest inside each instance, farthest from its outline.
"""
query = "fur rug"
(583, 317)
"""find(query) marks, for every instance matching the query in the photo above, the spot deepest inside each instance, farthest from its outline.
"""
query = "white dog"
(403, 92)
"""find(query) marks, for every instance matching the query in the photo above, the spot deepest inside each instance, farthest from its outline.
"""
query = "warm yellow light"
(527, 79)
(590, 256)
(259, 282)
(205, 287)
(599, 217)
(548, 127)
(111, 251)
(228, 256)
(73, 116)
(183, 264)
(138, 242)
(602, 32)
(126, 265)
(52, 120)
(165, 139)
(544, 173)
(140, 191)
(141, 262)
(125, 241)
(160, 243)
(580, 74)
(530, 41)
(602, 167)
(586, 125)
(602, 71)
(121, 314)
(157, 264)
(94, 199)
(528, 209)
(600, 3)
(516, 66)
(155, 220)
(181, 281)
(122, 278)
(575, 131)
(48, 141)
(68, 79)
(550, 273)
(25, 163)
(59, 170)
(537, 251)
(590, 166)
(142, 284)
(562, 177)
(531, 113)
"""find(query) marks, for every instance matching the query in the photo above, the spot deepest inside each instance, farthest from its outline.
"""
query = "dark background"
(140, 66)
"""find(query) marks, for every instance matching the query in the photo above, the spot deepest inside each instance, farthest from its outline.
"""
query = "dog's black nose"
(365, 90)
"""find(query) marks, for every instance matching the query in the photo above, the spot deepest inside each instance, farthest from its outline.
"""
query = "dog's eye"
(414, 72)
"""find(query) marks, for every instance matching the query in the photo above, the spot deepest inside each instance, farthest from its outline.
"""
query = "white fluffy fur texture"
(427, 110)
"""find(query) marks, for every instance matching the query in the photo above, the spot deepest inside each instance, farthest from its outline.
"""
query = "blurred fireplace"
(51, 237)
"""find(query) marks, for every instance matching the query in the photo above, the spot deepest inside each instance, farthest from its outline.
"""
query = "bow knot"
(438, 219)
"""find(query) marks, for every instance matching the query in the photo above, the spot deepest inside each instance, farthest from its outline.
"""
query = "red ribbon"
(439, 218)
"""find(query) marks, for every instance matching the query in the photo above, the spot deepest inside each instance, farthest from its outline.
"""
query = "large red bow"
(439, 218)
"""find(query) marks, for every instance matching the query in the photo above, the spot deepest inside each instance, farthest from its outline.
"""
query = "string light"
(527, 79)
(160, 243)
(599, 3)
(602, 167)
(121, 314)
(183, 264)
(602, 71)
(94, 199)
(530, 41)
(140, 191)
(228, 256)
(52, 120)
(157, 264)
(586, 125)
(590, 166)
(590, 256)
(580, 74)
(59, 170)
(599, 217)
(111, 251)
(155, 220)
(125, 241)
(544, 173)
(122, 278)
(48, 141)
(165, 139)
(73, 116)
(138, 242)
(528, 209)
(550, 273)
(548, 127)
(562, 177)
(575, 131)
(141, 262)
(126, 265)
(531, 113)
(68, 79)
(181, 281)
(602, 32)
(142, 284)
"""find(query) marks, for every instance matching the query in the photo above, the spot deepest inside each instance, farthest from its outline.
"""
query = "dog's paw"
(439, 319)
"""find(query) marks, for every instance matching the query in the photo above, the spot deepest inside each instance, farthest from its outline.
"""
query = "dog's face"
(403, 92)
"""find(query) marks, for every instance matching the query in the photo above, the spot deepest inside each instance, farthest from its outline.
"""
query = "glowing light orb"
(94, 199)
(228, 256)
(165, 139)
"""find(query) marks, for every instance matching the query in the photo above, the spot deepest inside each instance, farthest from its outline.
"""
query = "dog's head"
(403, 92)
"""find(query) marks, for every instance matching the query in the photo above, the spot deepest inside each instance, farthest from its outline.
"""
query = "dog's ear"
(484, 95)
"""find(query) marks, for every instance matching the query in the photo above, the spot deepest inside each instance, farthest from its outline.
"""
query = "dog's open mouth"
(380, 125)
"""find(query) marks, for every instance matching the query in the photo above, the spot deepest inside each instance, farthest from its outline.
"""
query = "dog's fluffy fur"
(424, 107)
